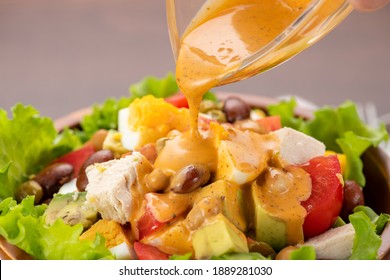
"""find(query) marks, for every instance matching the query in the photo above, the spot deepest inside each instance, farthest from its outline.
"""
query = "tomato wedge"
(325, 202)
(270, 123)
(149, 252)
(147, 224)
(178, 100)
(77, 157)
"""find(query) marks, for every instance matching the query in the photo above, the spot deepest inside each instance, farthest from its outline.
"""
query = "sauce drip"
(217, 41)
(281, 193)
(222, 36)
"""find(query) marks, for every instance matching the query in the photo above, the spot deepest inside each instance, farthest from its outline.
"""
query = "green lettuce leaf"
(240, 256)
(157, 87)
(366, 242)
(353, 146)
(286, 111)
(340, 129)
(65, 142)
(103, 116)
(23, 225)
(161, 88)
(380, 221)
(181, 257)
(303, 253)
(27, 142)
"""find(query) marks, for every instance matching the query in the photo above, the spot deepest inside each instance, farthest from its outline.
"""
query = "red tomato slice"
(147, 224)
(270, 123)
(149, 252)
(325, 201)
(77, 158)
(178, 100)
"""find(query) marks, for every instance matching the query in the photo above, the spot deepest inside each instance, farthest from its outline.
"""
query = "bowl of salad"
(285, 183)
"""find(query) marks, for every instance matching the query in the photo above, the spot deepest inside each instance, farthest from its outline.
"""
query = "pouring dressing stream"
(216, 45)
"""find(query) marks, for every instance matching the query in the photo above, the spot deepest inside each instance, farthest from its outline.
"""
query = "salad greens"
(23, 225)
(104, 116)
(340, 129)
(240, 256)
(366, 242)
(28, 142)
(161, 88)
(303, 253)
(379, 221)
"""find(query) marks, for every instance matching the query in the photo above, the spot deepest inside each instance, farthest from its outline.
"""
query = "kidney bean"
(190, 178)
(52, 177)
(157, 180)
(236, 109)
(97, 157)
(353, 196)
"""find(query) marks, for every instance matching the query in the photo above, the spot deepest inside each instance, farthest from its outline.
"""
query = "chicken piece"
(112, 186)
(297, 147)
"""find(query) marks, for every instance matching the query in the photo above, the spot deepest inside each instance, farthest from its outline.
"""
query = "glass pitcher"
(314, 22)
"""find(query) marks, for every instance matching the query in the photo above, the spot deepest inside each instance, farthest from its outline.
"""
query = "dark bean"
(236, 109)
(353, 196)
(30, 187)
(98, 157)
(190, 178)
(53, 177)
(261, 247)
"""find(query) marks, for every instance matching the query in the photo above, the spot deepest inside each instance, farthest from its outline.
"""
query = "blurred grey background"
(64, 55)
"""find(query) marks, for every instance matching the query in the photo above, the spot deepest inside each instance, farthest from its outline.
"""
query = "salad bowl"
(376, 169)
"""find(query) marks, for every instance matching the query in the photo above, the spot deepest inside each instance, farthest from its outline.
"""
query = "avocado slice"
(232, 200)
(218, 236)
(269, 229)
(71, 208)
(113, 142)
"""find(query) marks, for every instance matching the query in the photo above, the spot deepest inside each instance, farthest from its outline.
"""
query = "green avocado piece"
(232, 201)
(217, 237)
(113, 142)
(71, 208)
(269, 229)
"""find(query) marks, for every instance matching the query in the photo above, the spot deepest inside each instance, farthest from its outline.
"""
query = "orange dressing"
(185, 149)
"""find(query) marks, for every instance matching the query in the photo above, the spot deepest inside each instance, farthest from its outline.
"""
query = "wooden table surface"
(64, 55)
